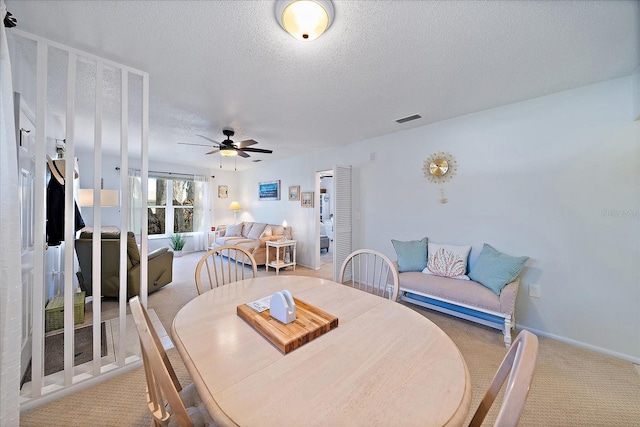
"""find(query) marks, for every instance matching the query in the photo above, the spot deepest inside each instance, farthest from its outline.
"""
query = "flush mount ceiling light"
(305, 20)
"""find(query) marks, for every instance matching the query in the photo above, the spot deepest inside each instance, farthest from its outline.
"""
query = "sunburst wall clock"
(439, 168)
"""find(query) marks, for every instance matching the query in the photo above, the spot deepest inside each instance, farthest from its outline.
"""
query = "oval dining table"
(384, 364)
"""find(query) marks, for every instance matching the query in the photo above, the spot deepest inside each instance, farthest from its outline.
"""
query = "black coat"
(55, 213)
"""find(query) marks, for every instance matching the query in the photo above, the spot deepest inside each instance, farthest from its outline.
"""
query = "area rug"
(54, 350)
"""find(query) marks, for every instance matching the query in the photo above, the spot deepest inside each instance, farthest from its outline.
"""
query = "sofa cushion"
(494, 269)
(231, 240)
(248, 244)
(246, 228)
(268, 232)
(277, 230)
(447, 261)
(412, 255)
(233, 230)
(467, 292)
(256, 230)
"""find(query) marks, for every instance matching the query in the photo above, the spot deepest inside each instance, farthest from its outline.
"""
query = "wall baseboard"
(627, 357)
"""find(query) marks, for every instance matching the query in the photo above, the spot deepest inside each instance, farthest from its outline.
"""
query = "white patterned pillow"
(447, 260)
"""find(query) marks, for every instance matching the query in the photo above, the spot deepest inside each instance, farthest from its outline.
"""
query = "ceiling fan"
(228, 148)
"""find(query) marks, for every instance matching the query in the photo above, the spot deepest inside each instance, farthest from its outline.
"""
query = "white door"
(26, 169)
(342, 233)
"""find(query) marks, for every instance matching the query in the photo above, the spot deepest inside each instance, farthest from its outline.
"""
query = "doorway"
(333, 217)
(326, 213)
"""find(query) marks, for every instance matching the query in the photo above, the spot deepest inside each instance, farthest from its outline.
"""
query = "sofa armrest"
(157, 253)
(265, 239)
(508, 297)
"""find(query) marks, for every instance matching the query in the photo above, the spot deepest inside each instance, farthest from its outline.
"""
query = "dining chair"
(370, 271)
(184, 406)
(519, 363)
(224, 264)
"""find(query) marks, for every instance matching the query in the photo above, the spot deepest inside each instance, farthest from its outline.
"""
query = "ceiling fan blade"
(257, 150)
(246, 143)
(208, 139)
(242, 153)
(213, 151)
(199, 145)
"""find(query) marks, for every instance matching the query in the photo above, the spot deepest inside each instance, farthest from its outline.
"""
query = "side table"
(289, 247)
(211, 237)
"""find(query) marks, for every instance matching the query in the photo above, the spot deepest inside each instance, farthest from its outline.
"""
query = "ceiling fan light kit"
(305, 20)
(228, 152)
(228, 148)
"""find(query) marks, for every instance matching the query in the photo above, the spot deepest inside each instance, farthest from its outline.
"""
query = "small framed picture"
(306, 200)
(294, 192)
(223, 191)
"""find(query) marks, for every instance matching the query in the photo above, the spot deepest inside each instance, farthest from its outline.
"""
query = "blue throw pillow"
(495, 270)
(412, 255)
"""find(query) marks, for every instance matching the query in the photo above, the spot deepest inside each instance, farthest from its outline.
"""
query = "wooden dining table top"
(384, 364)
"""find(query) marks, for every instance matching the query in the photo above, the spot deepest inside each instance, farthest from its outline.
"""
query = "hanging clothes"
(55, 209)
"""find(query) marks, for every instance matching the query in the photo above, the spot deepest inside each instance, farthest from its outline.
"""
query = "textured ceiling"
(228, 63)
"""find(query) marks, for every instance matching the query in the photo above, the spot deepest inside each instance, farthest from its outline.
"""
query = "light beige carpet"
(571, 387)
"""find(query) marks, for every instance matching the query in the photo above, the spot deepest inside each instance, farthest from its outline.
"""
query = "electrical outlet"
(534, 291)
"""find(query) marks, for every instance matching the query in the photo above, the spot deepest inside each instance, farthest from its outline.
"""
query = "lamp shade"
(305, 20)
(235, 206)
(108, 198)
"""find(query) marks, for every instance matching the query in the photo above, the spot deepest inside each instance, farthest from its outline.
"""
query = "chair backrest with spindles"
(370, 271)
(162, 382)
(223, 265)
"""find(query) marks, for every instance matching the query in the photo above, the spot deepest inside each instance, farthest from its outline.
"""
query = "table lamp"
(235, 207)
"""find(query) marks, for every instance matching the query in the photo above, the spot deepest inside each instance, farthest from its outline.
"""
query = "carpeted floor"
(571, 387)
(54, 350)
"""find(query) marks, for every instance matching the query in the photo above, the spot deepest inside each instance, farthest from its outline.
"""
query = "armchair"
(160, 265)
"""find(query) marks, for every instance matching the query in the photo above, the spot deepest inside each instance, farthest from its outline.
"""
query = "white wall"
(554, 178)
(300, 173)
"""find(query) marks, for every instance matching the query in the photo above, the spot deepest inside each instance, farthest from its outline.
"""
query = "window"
(172, 205)
(183, 198)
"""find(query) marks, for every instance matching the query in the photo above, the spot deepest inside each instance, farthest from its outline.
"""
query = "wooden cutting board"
(310, 323)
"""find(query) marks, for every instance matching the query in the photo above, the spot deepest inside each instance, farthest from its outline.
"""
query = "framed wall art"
(294, 192)
(223, 191)
(306, 199)
(269, 190)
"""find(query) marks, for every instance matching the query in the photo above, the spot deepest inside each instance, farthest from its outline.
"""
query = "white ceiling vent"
(409, 118)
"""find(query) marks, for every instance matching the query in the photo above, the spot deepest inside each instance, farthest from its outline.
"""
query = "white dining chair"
(222, 265)
(519, 363)
(184, 406)
(370, 271)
